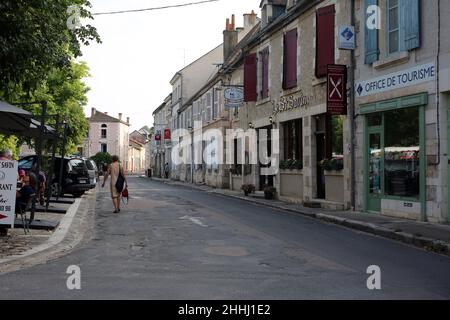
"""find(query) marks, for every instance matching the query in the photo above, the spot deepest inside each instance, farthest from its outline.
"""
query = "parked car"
(93, 172)
(75, 174)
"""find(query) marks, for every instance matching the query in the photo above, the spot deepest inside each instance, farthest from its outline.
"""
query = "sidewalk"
(19, 250)
(433, 237)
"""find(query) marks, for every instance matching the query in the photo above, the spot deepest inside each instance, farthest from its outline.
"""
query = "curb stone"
(61, 242)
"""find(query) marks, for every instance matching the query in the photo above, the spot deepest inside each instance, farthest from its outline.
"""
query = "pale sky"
(142, 51)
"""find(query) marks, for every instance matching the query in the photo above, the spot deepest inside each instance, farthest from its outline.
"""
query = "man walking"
(166, 170)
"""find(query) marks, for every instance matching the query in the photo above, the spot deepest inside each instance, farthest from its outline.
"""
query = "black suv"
(75, 175)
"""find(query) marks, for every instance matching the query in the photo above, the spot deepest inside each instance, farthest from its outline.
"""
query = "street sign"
(8, 186)
(347, 38)
(166, 134)
(337, 89)
(234, 96)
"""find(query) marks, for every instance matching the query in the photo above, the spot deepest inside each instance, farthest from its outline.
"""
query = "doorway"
(265, 180)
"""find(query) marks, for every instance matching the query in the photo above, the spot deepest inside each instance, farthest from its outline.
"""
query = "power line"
(155, 8)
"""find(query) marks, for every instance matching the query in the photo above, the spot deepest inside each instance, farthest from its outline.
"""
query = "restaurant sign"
(8, 186)
(291, 102)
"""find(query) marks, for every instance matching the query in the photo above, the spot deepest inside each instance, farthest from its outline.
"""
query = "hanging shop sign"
(166, 134)
(287, 103)
(158, 136)
(8, 186)
(417, 75)
(337, 89)
(234, 96)
(347, 38)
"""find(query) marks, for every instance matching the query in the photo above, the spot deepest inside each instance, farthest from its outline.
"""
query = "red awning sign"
(337, 89)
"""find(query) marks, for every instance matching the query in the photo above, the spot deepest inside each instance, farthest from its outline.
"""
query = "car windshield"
(77, 164)
(90, 164)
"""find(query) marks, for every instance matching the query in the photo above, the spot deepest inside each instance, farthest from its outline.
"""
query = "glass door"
(375, 170)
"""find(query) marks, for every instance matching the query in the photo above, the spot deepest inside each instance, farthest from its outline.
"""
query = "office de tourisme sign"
(405, 78)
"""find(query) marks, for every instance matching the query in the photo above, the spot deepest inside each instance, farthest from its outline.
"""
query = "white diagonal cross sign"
(336, 89)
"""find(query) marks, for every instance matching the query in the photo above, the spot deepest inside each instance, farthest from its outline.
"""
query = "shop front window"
(292, 132)
(401, 153)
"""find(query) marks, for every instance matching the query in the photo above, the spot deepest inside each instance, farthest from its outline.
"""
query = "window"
(324, 39)
(265, 73)
(290, 60)
(293, 137)
(103, 131)
(250, 80)
(401, 152)
(215, 103)
(104, 147)
(402, 30)
(393, 28)
(208, 106)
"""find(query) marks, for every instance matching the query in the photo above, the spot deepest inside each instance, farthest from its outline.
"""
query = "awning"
(16, 121)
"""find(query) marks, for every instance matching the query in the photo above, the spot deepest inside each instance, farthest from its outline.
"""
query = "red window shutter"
(265, 74)
(250, 65)
(324, 39)
(290, 60)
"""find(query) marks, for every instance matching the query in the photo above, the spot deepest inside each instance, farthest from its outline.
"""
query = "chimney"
(230, 38)
(93, 112)
(250, 20)
(106, 113)
(128, 120)
(120, 116)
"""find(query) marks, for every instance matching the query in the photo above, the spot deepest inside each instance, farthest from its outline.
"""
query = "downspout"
(352, 115)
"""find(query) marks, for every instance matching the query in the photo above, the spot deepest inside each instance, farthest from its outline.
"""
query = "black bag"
(120, 181)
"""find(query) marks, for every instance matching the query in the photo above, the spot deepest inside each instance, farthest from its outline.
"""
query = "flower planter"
(334, 186)
(291, 184)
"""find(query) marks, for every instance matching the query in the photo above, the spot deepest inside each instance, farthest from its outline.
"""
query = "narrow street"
(172, 242)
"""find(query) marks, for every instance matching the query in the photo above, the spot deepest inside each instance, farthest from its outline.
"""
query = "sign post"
(8, 186)
(336, 89)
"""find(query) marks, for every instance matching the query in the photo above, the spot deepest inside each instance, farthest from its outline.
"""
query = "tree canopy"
(35, 39)
(38, 47)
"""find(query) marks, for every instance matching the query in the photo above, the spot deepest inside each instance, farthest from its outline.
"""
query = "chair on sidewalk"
(22, 209)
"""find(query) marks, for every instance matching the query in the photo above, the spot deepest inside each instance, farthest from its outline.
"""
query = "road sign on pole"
(337, 89)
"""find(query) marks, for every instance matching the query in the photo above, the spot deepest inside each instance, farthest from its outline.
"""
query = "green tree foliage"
(338, 134)
(35, 39)
(9, 143)
(37, 54)
(102, 159)
(65, 93)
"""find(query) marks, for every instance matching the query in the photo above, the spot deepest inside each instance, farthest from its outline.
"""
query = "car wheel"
(56, 190)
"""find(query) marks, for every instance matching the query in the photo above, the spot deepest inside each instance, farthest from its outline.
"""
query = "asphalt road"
(173, 242)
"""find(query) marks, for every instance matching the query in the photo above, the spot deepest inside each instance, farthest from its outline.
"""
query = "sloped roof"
(102, 117)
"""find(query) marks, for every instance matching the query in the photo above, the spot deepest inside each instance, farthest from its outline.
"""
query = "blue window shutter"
(372, 51)
(411, 23)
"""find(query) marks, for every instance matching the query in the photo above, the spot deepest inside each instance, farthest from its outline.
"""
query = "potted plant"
(248, 188)
(334, 164)
(325, 164)
(269, 192)
(337, 164)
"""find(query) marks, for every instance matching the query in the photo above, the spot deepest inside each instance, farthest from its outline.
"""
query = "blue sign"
(347, 38)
